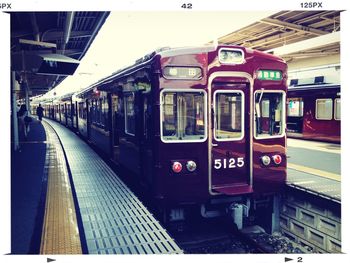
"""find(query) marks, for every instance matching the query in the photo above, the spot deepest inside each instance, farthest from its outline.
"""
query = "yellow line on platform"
(314, 171)
(60, 234)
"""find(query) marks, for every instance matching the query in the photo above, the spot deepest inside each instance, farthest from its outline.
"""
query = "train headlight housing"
(266, 160)
(191, 166)
(277, 159)
(177, 167)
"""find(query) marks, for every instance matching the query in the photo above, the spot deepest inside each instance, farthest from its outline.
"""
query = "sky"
(128, 36)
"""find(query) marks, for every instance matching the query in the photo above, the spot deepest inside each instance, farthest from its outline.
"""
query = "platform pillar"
(14, 112)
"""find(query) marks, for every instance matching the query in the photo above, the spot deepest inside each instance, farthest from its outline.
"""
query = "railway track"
(218, 236)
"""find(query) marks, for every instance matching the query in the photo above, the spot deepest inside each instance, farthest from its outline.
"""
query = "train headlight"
(231, 56)
(266, 160)
(177, 167)
(191, 166)
(277, 159)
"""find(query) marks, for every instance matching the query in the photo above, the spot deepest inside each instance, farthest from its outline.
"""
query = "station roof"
(73, 32)
(44, 33)
(288, 27)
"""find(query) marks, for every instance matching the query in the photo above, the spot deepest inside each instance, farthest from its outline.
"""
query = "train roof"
(314, 86)
(168, 52)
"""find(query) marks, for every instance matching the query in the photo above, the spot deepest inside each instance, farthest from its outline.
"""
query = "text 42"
(228, 163)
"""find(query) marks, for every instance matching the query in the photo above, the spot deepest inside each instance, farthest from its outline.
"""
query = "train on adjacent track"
(199, 126)
(313, 111)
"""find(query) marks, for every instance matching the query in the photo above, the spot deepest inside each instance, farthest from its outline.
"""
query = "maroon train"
(313, 112)
(196, 126)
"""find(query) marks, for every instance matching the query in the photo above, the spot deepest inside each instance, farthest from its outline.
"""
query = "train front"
(221, 125)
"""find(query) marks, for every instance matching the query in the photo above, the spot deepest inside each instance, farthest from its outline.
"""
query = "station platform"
(67, 200)
(315, 167)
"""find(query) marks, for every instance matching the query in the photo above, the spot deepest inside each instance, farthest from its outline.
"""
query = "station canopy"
(289, 27)
(40, 34)
(48, 46)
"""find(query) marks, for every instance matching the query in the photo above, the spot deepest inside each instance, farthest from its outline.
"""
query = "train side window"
(183, 116)
(228, 115)
(145, 117)
(269, 114)
(295, 107)
(265, 108)
(68, 110)
(324, 109)
(337, 115)
(129, 109)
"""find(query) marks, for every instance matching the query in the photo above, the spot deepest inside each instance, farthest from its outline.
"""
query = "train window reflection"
(295, 107)
(269, 111)
(324, 109)
(228, 115)
(183, 116)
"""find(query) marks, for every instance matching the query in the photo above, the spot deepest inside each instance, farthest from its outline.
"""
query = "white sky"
(127, 36)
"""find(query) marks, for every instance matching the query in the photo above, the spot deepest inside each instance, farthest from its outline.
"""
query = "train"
(314, 111)
(197, 127)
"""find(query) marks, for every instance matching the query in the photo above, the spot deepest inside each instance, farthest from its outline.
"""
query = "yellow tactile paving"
(60, 234)
(314, 171)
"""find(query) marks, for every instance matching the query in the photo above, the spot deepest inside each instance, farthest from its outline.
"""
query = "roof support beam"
(276, 22)
(268, 40)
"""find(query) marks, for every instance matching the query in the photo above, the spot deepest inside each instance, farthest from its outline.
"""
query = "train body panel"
(313, 112)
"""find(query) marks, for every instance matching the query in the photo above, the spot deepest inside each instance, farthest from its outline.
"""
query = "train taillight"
(277, 159)
(191, 166)
(266, 160)
(177, 167)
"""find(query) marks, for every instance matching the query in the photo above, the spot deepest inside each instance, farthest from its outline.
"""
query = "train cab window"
(129, 108)
(228, 115)
(183, 116)
(337, 109)
(324, 109)
(269, 112)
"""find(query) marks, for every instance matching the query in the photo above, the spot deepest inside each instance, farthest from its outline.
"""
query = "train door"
(146, 141)
(229, 138)
(116, 124)
(76, 116)
(88, 118)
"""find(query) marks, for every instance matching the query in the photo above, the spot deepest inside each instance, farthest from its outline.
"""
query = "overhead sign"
(57, 64)
(46, 64)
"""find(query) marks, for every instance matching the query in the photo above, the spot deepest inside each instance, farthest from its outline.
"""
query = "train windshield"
(183, 116)
(269, 111)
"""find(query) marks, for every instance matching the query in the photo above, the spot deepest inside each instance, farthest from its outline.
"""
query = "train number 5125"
(228, 163)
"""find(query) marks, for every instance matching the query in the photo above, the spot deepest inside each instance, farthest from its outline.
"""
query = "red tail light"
(177, 167)
(277, 159)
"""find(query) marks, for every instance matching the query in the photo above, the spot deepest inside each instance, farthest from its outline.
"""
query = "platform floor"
(315, 167)
(28, 191)
(66, 200)
(113, 218)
